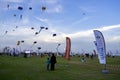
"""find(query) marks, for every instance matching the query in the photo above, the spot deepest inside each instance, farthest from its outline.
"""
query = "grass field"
(34, 68)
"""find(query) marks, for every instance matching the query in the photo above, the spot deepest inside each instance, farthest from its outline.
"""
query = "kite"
(6, 32)
(32, 28)
(36, 33)
(43, 8)
(46, 28)
(41, 29)
(20, 8)
(22, 41)
(54, 35)
(30, 8)
(16, 26)
(59, 44)
(8, 6)
(14, 15)
(39, 48)
(35, 42)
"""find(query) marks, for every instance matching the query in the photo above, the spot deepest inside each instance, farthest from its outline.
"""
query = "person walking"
(53, 61)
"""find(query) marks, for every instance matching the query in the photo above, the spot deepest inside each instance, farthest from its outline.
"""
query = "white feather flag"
(100, 45)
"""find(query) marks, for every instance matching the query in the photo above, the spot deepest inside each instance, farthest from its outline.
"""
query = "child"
(48, 63)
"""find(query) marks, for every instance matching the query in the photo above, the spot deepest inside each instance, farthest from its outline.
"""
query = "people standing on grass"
(48, 63)
(52, 61)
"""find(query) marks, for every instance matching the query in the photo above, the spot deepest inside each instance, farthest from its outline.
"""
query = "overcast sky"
(66, 18)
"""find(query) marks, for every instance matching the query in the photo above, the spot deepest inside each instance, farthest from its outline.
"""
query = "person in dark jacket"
(52, 61)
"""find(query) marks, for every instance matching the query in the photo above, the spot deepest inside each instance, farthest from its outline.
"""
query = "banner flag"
(100, 45)
(68, 48)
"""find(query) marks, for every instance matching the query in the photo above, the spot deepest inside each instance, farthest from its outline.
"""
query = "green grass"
(34, 68)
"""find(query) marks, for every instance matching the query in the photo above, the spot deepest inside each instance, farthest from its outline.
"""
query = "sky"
(66, 18)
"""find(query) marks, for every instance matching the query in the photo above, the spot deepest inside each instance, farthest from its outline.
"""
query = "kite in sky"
(20, 8)
(20, 16)
(6, 32)
(22, 41)
(39, 48)
(30, 8)
(54, 35)
(33, 43)
(36, 33)
(32, 28)
(43, 8)
(8, 6)
(14, 15)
